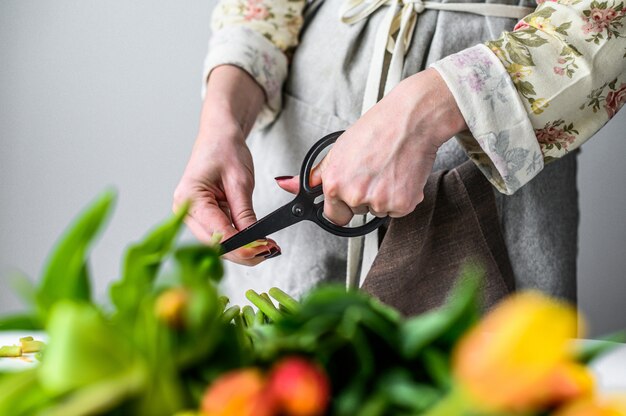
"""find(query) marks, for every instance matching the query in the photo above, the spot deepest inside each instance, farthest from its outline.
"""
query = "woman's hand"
(219, 177)
(381, 163)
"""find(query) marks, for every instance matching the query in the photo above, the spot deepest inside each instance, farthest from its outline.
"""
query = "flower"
(558, 70)
(541, 23)
(594, 407)
(518, 72)
(471, 58)
(239, 392)
(598, 20)
(521, 24)
(537, 106)
(553, 134)
(614, 100)
(300, 387)
(255, 10)
(474, 81)
(170, 307)
(517, 358)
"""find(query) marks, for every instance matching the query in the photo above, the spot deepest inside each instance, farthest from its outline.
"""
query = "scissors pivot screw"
(297, 210)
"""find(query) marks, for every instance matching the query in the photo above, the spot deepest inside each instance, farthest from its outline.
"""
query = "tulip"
(238, 393)
(518, 357)
(170, 307)
(594, 407)
(300, 387)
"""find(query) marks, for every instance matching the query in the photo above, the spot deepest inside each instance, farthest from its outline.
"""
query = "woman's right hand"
(219, 177)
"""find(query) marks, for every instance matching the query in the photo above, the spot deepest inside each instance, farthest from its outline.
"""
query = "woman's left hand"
(381, 163)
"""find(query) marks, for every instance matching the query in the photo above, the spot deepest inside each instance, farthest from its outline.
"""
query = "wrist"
(434, 107)
(232, 97)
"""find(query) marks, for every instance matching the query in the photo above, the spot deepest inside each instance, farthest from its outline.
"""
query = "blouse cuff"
(252, 52)
(501, 140)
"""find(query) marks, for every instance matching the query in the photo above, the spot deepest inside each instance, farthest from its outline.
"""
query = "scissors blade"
(277, 220)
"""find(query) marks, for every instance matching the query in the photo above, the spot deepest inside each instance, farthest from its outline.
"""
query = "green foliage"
(66, 274)
(133, 359)
(158, 348)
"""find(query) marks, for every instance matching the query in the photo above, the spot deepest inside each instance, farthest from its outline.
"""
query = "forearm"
(232, 97)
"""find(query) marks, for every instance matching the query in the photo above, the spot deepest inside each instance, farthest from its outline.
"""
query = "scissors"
(303, 207)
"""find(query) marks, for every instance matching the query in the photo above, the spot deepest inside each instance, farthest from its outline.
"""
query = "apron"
(325, 92)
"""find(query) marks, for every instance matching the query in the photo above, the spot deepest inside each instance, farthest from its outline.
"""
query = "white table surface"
(610, 369)
(13, 338)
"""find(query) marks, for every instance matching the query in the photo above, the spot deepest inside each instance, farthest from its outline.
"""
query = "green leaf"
(83, 349)
(98, 397)
(20, 321)
(142, 263)
(590, 350)
(402, 391)
(437, 364)
(22, 395)
(199, 264)
(544, 12)
(518, 52)
(448, 322)
(65, 276)
(525, 88)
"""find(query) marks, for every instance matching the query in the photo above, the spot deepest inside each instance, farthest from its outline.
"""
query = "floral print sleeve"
(256, 35)
(567, 63)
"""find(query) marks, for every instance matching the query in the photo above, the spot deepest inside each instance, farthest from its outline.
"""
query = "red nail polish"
(264, 253)
(282, 178)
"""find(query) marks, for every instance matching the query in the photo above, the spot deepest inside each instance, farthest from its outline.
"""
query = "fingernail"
(264, 253)
(282, 178)
(274, 252)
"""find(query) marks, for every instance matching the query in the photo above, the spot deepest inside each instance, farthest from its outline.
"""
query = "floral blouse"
(528, 97)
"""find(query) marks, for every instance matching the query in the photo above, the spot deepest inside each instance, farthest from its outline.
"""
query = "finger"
(317, 170)
(360, 210)
(337, 211)
(378, 214)
(207, 218)
(252, 257)
(290, 184)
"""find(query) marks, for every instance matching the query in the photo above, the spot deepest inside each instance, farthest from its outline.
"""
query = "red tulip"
(300, 387)
(238, 393)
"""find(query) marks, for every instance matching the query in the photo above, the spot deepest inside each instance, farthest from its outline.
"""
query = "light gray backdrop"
(96, 94)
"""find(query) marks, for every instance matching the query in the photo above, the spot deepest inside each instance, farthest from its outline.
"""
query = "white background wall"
(95, 93)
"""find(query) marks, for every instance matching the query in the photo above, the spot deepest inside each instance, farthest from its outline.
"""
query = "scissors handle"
(313, 192)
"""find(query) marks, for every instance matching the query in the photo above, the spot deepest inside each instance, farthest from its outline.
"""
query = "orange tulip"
(170, 306)
(518, 357)
(238, 393)
(300, 387)
(567, 382)
(594, 407)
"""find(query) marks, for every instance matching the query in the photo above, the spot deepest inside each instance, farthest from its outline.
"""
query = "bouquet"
(169, 344)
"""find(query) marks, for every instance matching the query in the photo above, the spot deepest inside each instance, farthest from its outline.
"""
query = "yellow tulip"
(170, 306)
(518, 357)
(594, 407)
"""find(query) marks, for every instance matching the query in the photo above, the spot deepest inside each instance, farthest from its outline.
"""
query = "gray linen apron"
(324, 93)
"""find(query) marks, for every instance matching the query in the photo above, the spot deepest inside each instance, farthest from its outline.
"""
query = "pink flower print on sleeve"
(256, 10)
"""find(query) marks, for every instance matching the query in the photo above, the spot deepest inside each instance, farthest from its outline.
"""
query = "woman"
(514, 100)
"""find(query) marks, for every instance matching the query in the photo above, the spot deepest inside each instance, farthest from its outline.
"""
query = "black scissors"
(303, 207)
